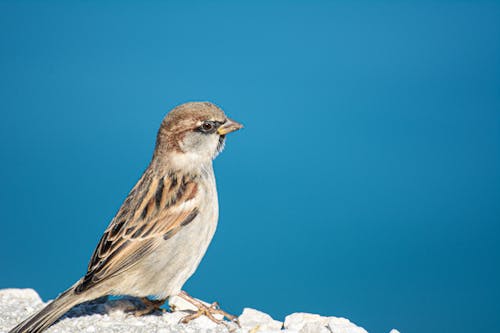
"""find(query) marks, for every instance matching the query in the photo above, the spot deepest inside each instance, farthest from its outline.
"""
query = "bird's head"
(193, 133)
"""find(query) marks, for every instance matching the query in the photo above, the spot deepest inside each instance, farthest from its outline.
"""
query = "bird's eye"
(207, 127)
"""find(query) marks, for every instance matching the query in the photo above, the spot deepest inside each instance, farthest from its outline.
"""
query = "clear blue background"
(366, 183)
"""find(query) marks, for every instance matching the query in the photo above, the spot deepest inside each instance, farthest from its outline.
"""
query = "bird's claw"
(150, 306)
(208, 311)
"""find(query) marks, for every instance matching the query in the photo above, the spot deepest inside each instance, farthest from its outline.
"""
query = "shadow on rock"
(106, 305)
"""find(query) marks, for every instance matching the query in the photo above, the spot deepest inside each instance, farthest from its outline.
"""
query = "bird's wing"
(155, 210)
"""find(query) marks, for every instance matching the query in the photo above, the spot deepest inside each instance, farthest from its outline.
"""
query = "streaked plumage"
(163, 228)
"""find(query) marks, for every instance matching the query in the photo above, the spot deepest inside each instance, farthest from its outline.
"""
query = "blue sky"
(365, 183)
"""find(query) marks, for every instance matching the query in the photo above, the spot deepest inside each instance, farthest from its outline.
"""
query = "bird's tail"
(41, 320)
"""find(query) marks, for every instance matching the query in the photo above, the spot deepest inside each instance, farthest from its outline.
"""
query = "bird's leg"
(208, 311)
(149, 306)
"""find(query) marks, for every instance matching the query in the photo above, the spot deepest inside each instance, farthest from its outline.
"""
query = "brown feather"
(153, 214)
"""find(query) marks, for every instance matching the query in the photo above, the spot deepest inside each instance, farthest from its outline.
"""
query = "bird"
(163, 228)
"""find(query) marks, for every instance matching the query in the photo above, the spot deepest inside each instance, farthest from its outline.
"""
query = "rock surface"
(111, 316)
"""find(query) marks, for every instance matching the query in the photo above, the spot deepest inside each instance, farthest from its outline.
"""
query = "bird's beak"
(228, 127)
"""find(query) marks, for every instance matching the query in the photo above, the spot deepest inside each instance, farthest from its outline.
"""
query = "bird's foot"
(150, 306)
(204, 310)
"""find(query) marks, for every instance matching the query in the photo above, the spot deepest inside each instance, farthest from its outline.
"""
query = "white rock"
(203, 322)
(111, 316)
(163, 330)
(15, 305)
(173, 318)
(343, 325)
(310, 323)
(296, 321)
(15, 295)
(314, 327)
(394, 331)
(257, 321)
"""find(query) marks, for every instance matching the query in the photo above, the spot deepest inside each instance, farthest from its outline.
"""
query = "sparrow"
(162, 230)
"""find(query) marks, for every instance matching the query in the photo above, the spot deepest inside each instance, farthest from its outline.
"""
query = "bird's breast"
(179, 256)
